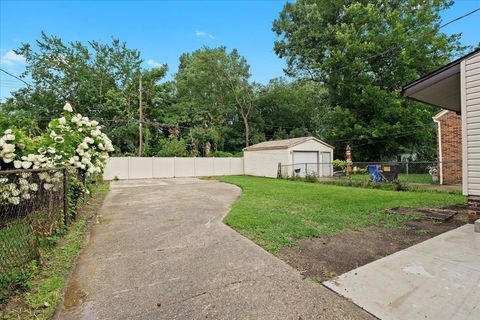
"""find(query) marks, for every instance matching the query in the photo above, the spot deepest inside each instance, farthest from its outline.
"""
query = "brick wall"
(451, 136)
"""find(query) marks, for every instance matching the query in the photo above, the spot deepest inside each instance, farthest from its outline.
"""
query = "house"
(449, 147)
(300, 156)
(456, 87)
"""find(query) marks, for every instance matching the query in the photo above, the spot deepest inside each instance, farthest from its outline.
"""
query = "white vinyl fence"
(151, 167)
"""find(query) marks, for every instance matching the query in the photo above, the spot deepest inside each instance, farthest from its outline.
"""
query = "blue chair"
(375, 176)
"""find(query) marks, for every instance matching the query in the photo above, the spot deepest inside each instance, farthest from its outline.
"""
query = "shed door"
(305, 160)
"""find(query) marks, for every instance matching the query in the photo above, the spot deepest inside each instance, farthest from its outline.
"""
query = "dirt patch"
(327, 257)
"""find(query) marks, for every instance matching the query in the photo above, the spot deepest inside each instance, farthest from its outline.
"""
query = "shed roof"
(283, 144)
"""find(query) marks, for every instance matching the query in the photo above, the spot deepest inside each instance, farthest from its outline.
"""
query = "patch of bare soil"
(327, 257)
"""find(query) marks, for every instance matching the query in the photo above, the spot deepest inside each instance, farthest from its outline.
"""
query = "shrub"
(172, 148)
(339, 165)
(222, 154)
(71, 140)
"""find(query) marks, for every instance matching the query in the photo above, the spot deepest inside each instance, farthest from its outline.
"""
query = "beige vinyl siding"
(264, 163)
(472, 121)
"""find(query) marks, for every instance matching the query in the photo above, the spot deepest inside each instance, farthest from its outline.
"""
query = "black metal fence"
(418, 172)
(33, 207)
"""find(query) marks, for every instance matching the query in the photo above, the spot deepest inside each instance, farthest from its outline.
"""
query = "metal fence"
(418, 172)
(33, 207)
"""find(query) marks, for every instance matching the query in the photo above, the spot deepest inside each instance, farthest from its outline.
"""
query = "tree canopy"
(346, 61)
(363, 52)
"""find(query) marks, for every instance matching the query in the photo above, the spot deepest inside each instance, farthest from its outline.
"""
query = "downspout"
(440, 151)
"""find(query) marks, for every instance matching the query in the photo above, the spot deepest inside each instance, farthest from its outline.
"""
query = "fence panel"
(184, 167)
(140, 168)
(32, 207)
(116, 167)
(203, 167)
(221, 166)
(169, 167)
(236, 166)
(163, 168)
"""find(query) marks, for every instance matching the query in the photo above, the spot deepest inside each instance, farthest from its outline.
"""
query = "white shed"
(298, 155)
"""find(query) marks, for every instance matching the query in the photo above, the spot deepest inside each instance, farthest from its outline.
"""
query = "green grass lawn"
(274, 212)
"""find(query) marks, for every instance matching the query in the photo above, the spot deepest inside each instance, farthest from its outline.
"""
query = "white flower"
(8, 131)
(68, 107)
(17, 164)
(47, 186)
(8, 148)
(9, 137)
(26, 164)
(82, 146)
(34, 187)
(62, 120)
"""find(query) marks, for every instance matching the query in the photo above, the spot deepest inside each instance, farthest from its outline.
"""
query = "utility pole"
(140, 122)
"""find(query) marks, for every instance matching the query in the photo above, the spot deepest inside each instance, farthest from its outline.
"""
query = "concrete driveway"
(161, 251)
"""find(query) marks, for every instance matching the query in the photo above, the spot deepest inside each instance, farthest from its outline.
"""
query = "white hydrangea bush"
(72, 140)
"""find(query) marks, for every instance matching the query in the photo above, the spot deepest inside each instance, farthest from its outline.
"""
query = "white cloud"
(10, 58)
(153, 63)
(203, 34)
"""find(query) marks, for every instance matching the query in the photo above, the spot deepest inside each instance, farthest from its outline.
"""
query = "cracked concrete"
(161, 251)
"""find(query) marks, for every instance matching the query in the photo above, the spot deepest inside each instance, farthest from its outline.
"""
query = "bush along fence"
(357, 173)
(42, 184)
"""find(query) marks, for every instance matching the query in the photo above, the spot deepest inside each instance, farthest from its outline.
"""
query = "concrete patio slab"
(436, 279)
(161, 251)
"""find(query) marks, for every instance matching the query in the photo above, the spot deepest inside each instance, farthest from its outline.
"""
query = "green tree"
(213, 90)
(363, 52)
(99, 80)
(290, 109)
(172, 148)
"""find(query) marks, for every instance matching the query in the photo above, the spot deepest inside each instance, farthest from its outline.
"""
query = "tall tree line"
(346, 61)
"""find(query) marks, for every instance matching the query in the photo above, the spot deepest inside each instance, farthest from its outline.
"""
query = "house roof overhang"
(440, 88)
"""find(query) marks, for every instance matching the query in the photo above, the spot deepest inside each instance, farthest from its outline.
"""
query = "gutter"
(440, 151)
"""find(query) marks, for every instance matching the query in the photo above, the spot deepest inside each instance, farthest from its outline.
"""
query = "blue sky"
(162, 30)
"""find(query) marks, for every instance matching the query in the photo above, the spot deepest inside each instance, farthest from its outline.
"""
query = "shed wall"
(264, 163)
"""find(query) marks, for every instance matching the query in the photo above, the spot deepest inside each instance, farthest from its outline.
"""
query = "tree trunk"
(247, 130)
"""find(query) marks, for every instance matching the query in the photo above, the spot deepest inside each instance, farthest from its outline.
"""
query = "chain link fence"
(414, 173)
(33, 207)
